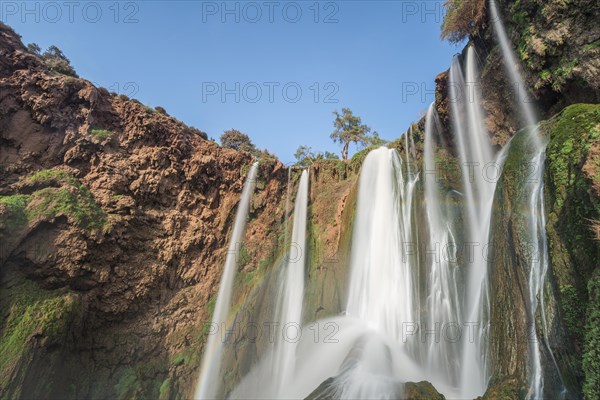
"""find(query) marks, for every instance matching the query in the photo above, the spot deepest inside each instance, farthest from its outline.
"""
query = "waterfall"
(287, 207)
(381, 289)
(512, 67)
(368, 357)
(208, 386)
(409, 217)
(292, 293)
(383, 282)
(442, 303)
(409, 285)
(537, 276)
(538, 265)
(275, 372)
(475, 156)
(537, 272)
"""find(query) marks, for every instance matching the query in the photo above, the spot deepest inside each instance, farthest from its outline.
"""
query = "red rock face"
(167, 198)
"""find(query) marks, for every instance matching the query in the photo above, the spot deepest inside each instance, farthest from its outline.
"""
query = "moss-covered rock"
(573, 205)
(408, 391)
(48, 194)
(32, 322)
(591, 356)
(421, 391)
(504, 389)
(12, 210)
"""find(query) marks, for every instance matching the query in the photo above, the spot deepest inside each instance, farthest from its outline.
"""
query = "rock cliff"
(114, 226)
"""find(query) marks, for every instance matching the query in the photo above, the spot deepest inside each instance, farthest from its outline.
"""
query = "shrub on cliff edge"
(462, 18)
(236, 140)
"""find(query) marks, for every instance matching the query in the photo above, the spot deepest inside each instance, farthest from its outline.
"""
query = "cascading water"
(442, 303)
(287, 206)
(537, 276)
(393, 286)
(208, 386)
(382, 283)
(381, 290)
(537, 221)
(537, 272)
(512, 67)
(475, 156)
(409, 213)
(292, 295)
(275, 373)
(368, 357)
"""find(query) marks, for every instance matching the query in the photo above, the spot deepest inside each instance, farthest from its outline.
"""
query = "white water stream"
(537, 221)
(208, 386)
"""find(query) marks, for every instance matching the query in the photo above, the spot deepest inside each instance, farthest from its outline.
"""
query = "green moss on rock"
(571, 204)
(421, 390)
(591, 356)
(100, 135)
(164, 392)
(128, 385)
(58, 193)
(15, 216)
(504, 389)
(30, 316)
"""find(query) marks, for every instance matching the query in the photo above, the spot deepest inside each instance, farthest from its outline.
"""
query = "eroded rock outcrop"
(114, 227)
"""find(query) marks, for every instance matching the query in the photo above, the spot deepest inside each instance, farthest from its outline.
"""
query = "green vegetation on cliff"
(573, 207)
(100, 134)
(133, 381)
(511, 253)
(557, 43)
(15, 216)
(236, 140)
(55, 60)
(71, 198)
(30, 317)
(591, 357)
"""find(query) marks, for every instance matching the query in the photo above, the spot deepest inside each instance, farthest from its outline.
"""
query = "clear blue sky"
(371, 56)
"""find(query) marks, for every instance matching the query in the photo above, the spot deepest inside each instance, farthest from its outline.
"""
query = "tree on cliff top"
(376, 141)
(349, 129)
(34, 48)
(305, 155)
(54, 58)
(234, 139)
